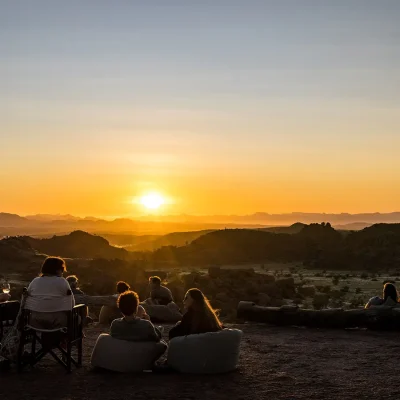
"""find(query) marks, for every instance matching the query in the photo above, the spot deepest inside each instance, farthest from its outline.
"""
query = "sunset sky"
(220, 106)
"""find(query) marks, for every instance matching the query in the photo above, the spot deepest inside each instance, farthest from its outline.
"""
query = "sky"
(221, 106)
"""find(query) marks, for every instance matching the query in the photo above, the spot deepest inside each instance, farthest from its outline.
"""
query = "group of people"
(50, 295)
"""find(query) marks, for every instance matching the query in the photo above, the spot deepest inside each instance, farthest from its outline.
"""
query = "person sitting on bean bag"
(124, 287)
(199, 316)
(131, 327)
(159, 295)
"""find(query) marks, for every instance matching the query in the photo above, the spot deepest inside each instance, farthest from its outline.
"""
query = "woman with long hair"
(198, 318)
(389, 297)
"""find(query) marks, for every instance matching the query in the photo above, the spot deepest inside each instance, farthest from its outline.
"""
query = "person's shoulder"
(145, 323)
(375, 301)
(118, 321)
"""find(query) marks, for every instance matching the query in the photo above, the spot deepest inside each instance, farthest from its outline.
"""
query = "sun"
(152, 201)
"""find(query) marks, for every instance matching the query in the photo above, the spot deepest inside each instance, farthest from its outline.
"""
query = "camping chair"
(8, 314)
(73, 334)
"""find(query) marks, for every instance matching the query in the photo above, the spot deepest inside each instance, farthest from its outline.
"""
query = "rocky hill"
(78, 244)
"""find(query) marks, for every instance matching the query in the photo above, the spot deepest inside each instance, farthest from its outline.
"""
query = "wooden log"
(110, 301)
(381, 317)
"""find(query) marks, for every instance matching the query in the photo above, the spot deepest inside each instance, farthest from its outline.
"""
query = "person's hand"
(4, 297)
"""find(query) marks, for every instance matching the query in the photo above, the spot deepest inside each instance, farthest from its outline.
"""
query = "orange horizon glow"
(271, 108)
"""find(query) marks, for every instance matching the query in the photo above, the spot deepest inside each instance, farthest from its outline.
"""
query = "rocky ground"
(275, 363)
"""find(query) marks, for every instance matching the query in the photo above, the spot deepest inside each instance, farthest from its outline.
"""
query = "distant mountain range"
(47, 224)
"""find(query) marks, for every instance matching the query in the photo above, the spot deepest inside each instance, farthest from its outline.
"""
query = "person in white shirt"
(49, 296)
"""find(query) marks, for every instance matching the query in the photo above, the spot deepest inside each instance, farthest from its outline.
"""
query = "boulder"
(307, 290)
(264, 299)
(285, 282)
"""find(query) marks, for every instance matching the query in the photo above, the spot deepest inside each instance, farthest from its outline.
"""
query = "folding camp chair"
(72, 336)
(8, 314)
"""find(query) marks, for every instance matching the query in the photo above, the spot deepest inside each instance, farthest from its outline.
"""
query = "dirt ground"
(276, 363)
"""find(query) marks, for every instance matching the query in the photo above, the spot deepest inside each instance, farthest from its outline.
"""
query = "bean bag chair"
(168, 313)
(206, 353)
(123, 356)
(108, 314)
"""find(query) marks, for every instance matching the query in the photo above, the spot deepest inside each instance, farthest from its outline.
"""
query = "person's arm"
(153, 334)
(114, 329)
(183, 327)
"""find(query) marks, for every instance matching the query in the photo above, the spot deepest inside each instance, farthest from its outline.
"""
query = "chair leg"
(80, 352)
(20, 364)
(33, 353)
(69, 356)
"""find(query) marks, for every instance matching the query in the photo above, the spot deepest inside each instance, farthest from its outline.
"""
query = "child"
(131, 327)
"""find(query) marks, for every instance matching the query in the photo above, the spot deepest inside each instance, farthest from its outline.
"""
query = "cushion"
(108, 314)
(123, 356)
(206, 353)
(168, 313)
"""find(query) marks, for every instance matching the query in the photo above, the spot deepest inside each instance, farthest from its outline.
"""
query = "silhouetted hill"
(78, 244)
(44, 225)
(153, 242)
(295, 228)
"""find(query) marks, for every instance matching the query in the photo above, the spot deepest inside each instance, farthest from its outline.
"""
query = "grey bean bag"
(168, 313)
(123, 356)
(206, 353)
(108, 314)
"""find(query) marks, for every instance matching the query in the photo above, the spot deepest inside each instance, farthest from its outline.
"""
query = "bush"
(358, 290)
(357, 301)
(335, 280)
(345, 289)
(321, 300)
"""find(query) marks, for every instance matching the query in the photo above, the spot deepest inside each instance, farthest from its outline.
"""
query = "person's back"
(130, 327)
(199, 317)
(49, 294)
(159, 294)
(390, 297)
(134, 330)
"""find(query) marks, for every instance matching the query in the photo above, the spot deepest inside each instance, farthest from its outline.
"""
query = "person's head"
(389, 290)
(122, 287)
(73, 281)
(128, 303)
(53, 266)
(155, 282)
(204, 314)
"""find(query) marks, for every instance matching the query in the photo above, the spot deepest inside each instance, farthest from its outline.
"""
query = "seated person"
(131, 327)
(199, 316)
(159, 295)
(124, 287)
(4, 297)
(73, 283)
(49, 296)
(390, 297)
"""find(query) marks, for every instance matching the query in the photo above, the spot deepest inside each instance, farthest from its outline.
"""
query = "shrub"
(320, 300)
(335, 280)
(356, 301)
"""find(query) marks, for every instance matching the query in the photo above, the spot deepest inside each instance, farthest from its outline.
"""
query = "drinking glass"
(6, 288)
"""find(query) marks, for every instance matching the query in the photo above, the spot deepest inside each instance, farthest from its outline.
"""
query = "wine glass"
(6, 288)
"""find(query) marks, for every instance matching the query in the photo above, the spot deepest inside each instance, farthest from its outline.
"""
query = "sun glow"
(152, 201)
